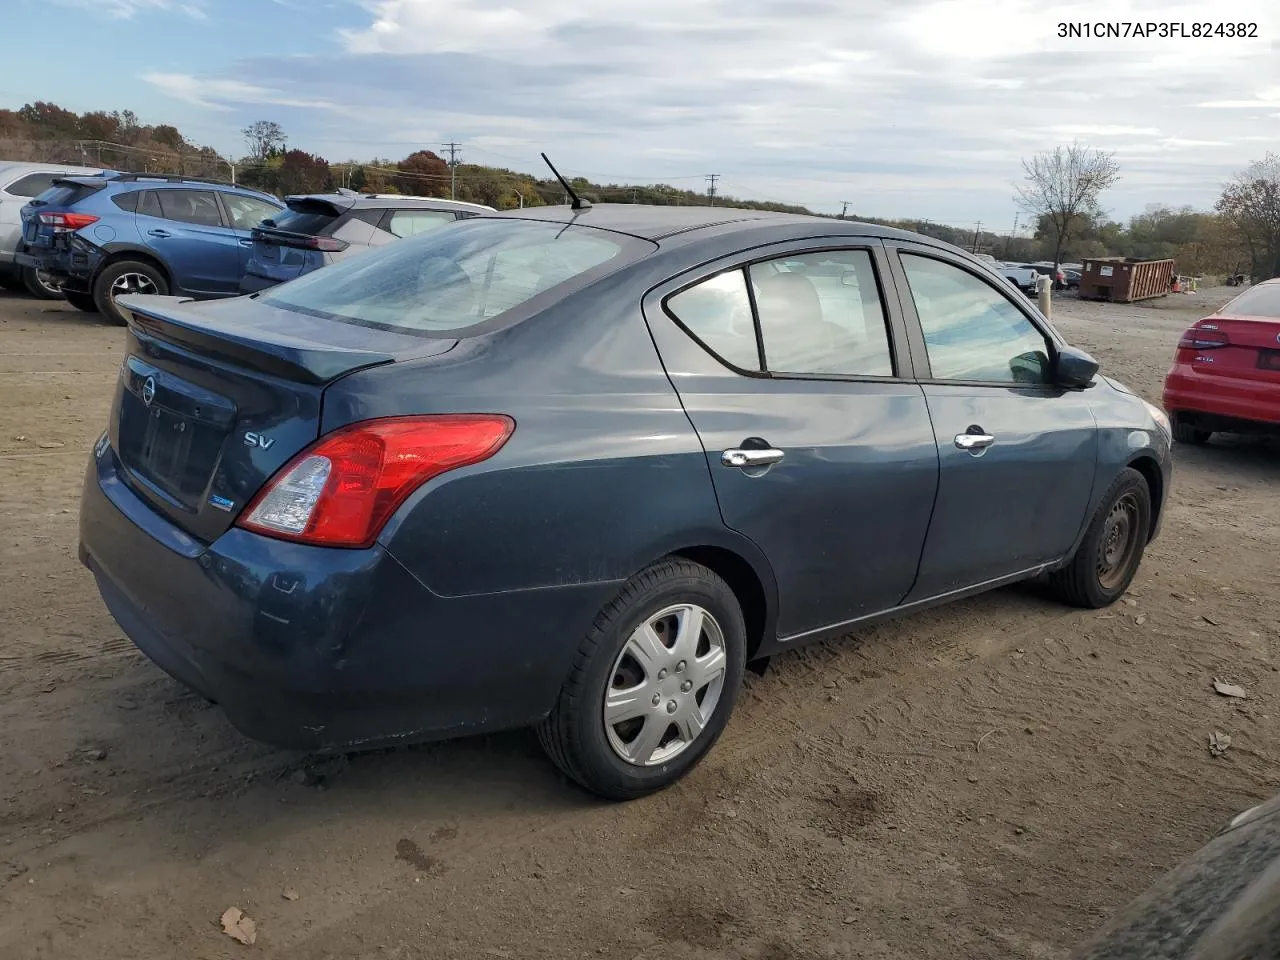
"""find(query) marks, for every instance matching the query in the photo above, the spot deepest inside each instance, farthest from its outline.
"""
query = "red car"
(1226, 373)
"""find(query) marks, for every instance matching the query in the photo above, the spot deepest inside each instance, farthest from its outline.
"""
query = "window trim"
(915, 331)
(896, 334)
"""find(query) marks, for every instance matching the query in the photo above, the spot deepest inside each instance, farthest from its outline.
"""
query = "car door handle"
(246, 243)
(736, 457)
(974, 442)
(159, 233)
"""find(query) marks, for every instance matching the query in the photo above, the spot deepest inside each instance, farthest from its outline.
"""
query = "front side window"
(247, 212)
(971, 331)
(446, 280)
(406, 223)
(820, 313)
(190, 206)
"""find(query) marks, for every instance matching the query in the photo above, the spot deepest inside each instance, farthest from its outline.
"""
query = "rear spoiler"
(283, 355)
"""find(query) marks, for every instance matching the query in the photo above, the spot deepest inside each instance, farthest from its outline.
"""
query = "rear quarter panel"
(603, 474)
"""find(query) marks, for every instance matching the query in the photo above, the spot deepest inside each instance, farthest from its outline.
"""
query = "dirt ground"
(991, 779)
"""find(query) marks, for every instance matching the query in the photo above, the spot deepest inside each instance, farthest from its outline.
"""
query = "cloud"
(129, 9)
(911, 108)
(224, 94)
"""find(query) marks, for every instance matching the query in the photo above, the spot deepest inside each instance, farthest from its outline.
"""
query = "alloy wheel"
(130, 283)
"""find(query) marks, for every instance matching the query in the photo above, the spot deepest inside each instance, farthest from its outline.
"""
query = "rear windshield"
(304, 216)
(64, 194)
(1261, 301)
(457, 276)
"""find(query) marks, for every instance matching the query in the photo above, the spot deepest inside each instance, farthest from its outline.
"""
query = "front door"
(1016, 453)
(818, 444)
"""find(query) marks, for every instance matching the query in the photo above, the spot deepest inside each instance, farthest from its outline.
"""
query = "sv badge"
(259, 440)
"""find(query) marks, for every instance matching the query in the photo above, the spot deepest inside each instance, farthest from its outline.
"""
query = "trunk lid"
(280, 243)
(60, 198)
(1251, 351)
(213, 398)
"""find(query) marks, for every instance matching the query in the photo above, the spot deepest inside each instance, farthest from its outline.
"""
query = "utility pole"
(1009, 243)
(711, 179)
(976, 232)
(452, 147)
(844, 208)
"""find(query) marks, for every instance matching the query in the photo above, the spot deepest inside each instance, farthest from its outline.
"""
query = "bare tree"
(264, 137)
(1063, 185)
(1250, 202)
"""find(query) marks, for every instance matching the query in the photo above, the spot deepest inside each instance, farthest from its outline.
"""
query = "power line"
(711, 179)
(452, 147)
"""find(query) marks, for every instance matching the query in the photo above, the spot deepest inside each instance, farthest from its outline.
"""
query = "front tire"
(653, 683)
(81, 301)
(1108, 557)
(40, 285)
(126, 277)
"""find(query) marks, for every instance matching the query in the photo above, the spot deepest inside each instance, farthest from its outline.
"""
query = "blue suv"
(105, 236)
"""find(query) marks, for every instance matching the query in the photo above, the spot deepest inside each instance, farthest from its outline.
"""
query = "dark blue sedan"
(575, 469)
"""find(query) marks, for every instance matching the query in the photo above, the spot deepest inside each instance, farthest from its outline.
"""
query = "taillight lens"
(67, 222)
(342, 489)
(1202, 338)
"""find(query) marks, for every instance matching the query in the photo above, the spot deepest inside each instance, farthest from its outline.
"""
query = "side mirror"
(1074, 368)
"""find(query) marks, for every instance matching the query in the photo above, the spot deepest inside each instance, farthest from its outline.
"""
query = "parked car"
(1049, 270)
(19, 182)
(1021, 276)
(575, 468)
(1220, 903)
(1071, 279)
(320, 229)
(105, 236)
(1226, 370)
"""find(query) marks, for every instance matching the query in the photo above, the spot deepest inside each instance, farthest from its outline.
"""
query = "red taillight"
(342, 489)
(1203, 338)
(327, 244)
(66, 222)
(304, 242)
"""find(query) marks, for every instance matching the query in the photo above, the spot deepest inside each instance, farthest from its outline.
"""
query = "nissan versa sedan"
(575, 468)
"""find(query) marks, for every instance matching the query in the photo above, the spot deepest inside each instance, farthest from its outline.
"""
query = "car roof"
(658, 223)
(365, 201)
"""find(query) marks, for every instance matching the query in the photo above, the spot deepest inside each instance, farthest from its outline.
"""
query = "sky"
(920, 109)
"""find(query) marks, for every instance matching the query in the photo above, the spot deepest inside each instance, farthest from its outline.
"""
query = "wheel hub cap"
(665, 685)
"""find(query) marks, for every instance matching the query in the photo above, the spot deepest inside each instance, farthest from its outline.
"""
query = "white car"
(19, 182)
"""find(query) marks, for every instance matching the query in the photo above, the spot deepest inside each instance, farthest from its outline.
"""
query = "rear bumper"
(322, 649)
(1225, 400)
(73, 263)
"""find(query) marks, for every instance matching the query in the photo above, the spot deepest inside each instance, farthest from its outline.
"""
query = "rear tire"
(12, 281)
(126, 277)
(81, 301)
(672, 645)
(1109, 556)
(39, 284)
(1184, 432)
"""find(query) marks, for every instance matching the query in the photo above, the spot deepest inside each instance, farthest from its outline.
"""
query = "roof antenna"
(578, 202)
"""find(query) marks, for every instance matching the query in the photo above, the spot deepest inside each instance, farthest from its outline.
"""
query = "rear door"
(1016, 453)
(819, 445)
(186, 227)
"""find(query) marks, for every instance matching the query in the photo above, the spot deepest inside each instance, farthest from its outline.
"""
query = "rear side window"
(149, 204)
(819, 314)
(33, 184)
(127, 201)
(306, 217)
(447, 280)
(406, 223)
(1261, 301)
(190, 206)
